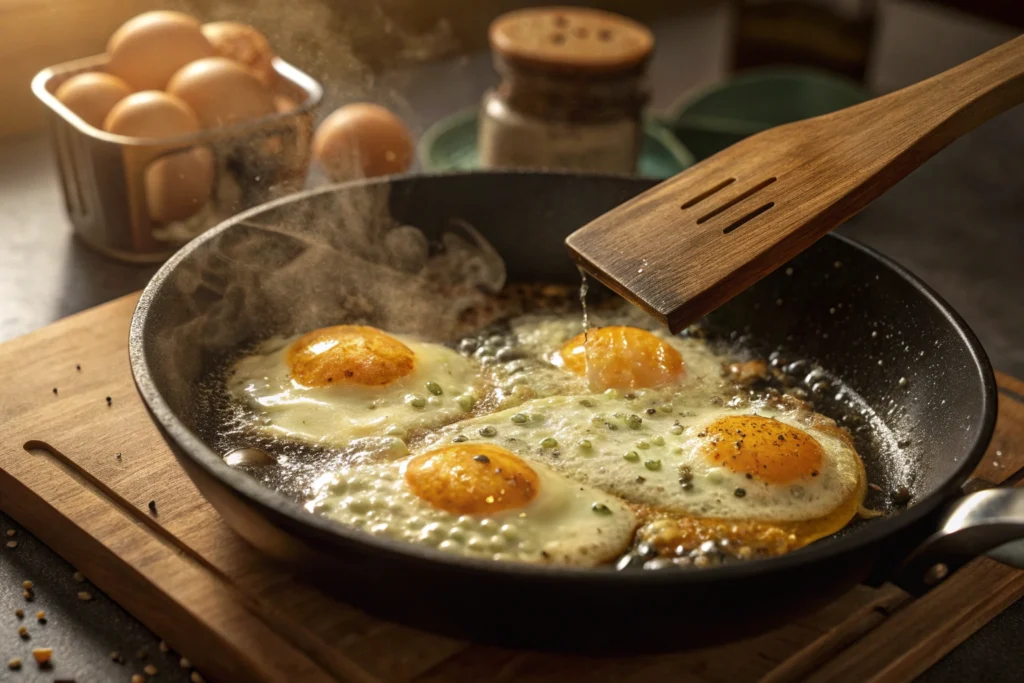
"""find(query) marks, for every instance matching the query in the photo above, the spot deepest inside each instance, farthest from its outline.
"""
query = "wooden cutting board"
(80, 473)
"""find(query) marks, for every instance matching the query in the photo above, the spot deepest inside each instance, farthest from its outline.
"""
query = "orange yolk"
(472, 479)
(762, 447)
(623, 358)
(348, 354)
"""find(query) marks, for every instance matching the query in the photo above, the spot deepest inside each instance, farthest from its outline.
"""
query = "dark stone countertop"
(956, 222)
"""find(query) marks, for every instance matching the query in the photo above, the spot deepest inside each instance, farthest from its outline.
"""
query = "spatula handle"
(946, 106)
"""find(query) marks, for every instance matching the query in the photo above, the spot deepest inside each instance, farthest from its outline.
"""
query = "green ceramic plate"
(450, 145)
(712, 119)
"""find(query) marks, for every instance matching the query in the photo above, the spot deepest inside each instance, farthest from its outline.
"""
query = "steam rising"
(337, 258)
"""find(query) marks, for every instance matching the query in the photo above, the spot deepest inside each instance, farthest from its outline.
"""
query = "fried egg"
(336, 384)
(791, 474)
(480, 500)
(549, 355)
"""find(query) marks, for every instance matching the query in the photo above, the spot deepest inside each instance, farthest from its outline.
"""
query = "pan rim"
(268, 500)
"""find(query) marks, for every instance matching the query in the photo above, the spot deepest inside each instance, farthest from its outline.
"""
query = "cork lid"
(571, 38)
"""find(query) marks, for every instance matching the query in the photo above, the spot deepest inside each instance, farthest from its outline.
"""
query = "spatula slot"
(707, 193)
(749, 217)
(736, 200)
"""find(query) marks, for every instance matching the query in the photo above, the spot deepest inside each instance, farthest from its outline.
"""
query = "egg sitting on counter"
(245, 45)
(92, 95)
(362, 140)
(176, 185)
(148, 49)
(221, 92)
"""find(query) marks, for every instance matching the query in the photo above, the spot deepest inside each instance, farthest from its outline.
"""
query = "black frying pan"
(843, 306)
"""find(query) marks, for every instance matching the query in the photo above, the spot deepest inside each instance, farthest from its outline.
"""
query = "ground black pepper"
(152, 506)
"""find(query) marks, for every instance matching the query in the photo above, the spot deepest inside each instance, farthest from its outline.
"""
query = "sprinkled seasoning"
(601, 509)
(519, 418)
(41, 617)
(184, 663)
(586, 403)
(549, 443)
(658, 441)
(163, 646)
(643, 444)
(11, 532)
(652, 465)
(481, 458)
(23, 632)
(118, 455)
(665, 408)
(20, 613)
(415, 401)
(14, 663)
(434, 388)
(27, 585)
(138, 678)
(632, 456)
(488, 431)
(629, 397)
(152, 506)
(196, 678)
(586, 445)
(115, 656)
(55, 391)
(459, 438)
(109, 400)
(640, 479)
(84, 596)
(151, 670)
(685, 474)
(466, 402)
(739, 493)
(651, 411)
(78, 576)
(78, 367)
(634, 422)
(42, 655)
(12, 544)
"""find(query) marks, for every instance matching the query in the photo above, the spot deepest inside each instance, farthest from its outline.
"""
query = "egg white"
(559, 526)
(336, 415)
(587, 438)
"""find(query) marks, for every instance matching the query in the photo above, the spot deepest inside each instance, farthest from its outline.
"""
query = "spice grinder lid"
(571, 39)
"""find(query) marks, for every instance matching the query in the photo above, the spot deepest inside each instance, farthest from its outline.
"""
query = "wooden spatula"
(688, 245)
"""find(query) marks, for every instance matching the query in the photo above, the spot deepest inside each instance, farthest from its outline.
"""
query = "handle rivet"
(935, 574)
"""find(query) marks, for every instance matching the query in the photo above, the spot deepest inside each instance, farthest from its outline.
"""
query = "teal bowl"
(712, 119)
(450, 145)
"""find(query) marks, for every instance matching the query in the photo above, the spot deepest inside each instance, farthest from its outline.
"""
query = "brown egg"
(176, 183)
(245, 45)
(147, 50)
(362, 140)
(221, 92)
(151, 114)
(92, 95)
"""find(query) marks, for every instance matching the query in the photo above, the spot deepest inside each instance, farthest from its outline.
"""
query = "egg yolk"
(621, 357)
(348, 354)
(762, 447)
(472, 479)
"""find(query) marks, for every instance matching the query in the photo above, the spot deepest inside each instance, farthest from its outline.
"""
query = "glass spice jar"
(572, 93)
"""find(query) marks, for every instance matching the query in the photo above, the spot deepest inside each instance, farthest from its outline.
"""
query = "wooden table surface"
(956, 223)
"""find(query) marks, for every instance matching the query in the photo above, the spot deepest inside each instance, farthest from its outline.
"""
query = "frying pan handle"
(990, 521)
